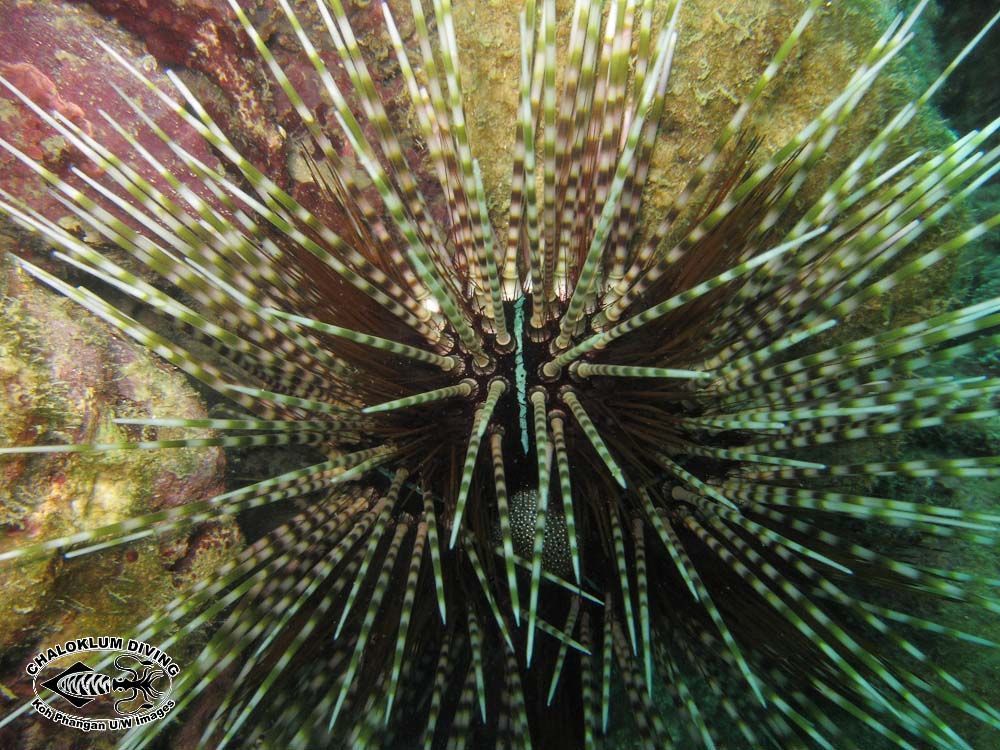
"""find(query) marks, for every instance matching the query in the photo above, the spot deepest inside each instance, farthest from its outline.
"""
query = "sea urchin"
(566, 457)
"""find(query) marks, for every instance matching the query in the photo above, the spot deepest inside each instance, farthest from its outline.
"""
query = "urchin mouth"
(518, 415)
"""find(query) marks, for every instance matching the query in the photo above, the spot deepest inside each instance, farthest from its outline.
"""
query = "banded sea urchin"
(562, 458)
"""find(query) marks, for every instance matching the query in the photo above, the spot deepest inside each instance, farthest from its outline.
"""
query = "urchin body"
(567, 458)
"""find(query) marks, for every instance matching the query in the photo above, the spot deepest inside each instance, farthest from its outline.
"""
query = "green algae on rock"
(65, 377)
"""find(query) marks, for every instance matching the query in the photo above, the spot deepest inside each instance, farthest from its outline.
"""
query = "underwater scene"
(480, 374)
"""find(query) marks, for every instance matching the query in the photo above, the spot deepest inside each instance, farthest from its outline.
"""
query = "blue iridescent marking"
(520, 375)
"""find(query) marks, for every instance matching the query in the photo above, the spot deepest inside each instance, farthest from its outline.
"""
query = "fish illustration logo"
(79, 684)
(129, 684)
